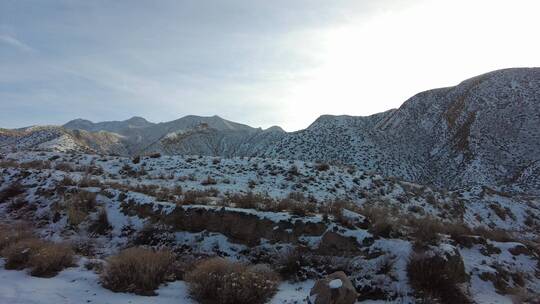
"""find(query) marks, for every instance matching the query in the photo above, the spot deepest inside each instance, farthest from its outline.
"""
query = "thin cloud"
(16, 43)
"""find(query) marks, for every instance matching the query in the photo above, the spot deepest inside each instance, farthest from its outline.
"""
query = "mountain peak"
(138, 121)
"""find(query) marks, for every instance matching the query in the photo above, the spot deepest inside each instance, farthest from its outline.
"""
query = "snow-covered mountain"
(484, 131)
(213, 136)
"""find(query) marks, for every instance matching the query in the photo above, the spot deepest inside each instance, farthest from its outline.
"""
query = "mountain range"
(484, 131)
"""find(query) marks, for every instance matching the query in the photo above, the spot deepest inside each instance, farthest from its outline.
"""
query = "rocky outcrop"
(240, 226)
(336, 288)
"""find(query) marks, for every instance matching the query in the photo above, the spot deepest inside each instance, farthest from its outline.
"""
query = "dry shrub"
(322, 166)
(383, 221)
(425, 230)
(17, 255)
(11, 191)
(45, 259)
(249, 200)
(50, 259)
(218, 281)
(101, 224)
(138, 270)
(75, 216)
(434, 277)
(66, 167)
(296, 207)
(154, 155)
(67, 181)
(9, 163)
(88, 181)
(79, 205)
(497, 235)
(192, 197)
(289, 263)
(13, 233)
(208, 181)
(36, 164)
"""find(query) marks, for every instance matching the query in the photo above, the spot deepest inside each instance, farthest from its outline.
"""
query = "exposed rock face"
(239, 227)
(333, 243)
(336, 288)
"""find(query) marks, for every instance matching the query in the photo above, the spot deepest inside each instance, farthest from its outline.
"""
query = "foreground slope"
(324, 218)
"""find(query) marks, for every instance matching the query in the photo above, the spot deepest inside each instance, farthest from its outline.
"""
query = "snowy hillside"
(485, 131)
(335, 217)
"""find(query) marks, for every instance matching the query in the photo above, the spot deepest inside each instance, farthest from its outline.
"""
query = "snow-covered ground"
(78, 285)
(379, 265)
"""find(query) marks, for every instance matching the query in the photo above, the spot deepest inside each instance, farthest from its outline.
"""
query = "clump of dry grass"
(434, 277)
(138, 270)
(50, 259)
(36, 165)
(79, 205)
(101, 224)
(11, 191)
(45, 259)
(209, 181)
(13, 233)
(218, 281)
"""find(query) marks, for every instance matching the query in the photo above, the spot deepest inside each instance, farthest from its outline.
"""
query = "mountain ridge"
(483, 131)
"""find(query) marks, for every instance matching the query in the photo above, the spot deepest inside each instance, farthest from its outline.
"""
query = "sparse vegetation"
(137, 270)
(433, 276)
(218, 281)
(10, 191)
(45, 259)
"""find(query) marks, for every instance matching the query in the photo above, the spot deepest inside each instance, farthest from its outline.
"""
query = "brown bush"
(192, 197)
(45, 259)
(322, 166)
(79, 205)
(36, 164)
(435, 277)
(17, 255)
(138, 270)
(154, 155)
(9, 164)
(218, 281)
(497, 235)
(425, 230)
(249, 200)
(66, 167)
(289, 263)
(101, 224)
(208, 181)
(11, 191)
(13, 233)
(50, 259)
(88, 181)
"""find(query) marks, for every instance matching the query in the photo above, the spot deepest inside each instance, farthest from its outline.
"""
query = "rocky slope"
(482, 131)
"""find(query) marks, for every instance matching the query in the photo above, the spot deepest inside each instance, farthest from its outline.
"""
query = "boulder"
(336, 288)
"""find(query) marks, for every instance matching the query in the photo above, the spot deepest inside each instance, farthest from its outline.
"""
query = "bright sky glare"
(262, 63)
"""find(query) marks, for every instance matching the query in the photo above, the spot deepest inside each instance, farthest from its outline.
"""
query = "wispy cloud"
(16, 43)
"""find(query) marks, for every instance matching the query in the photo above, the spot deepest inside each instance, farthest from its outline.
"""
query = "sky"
(259, 62)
